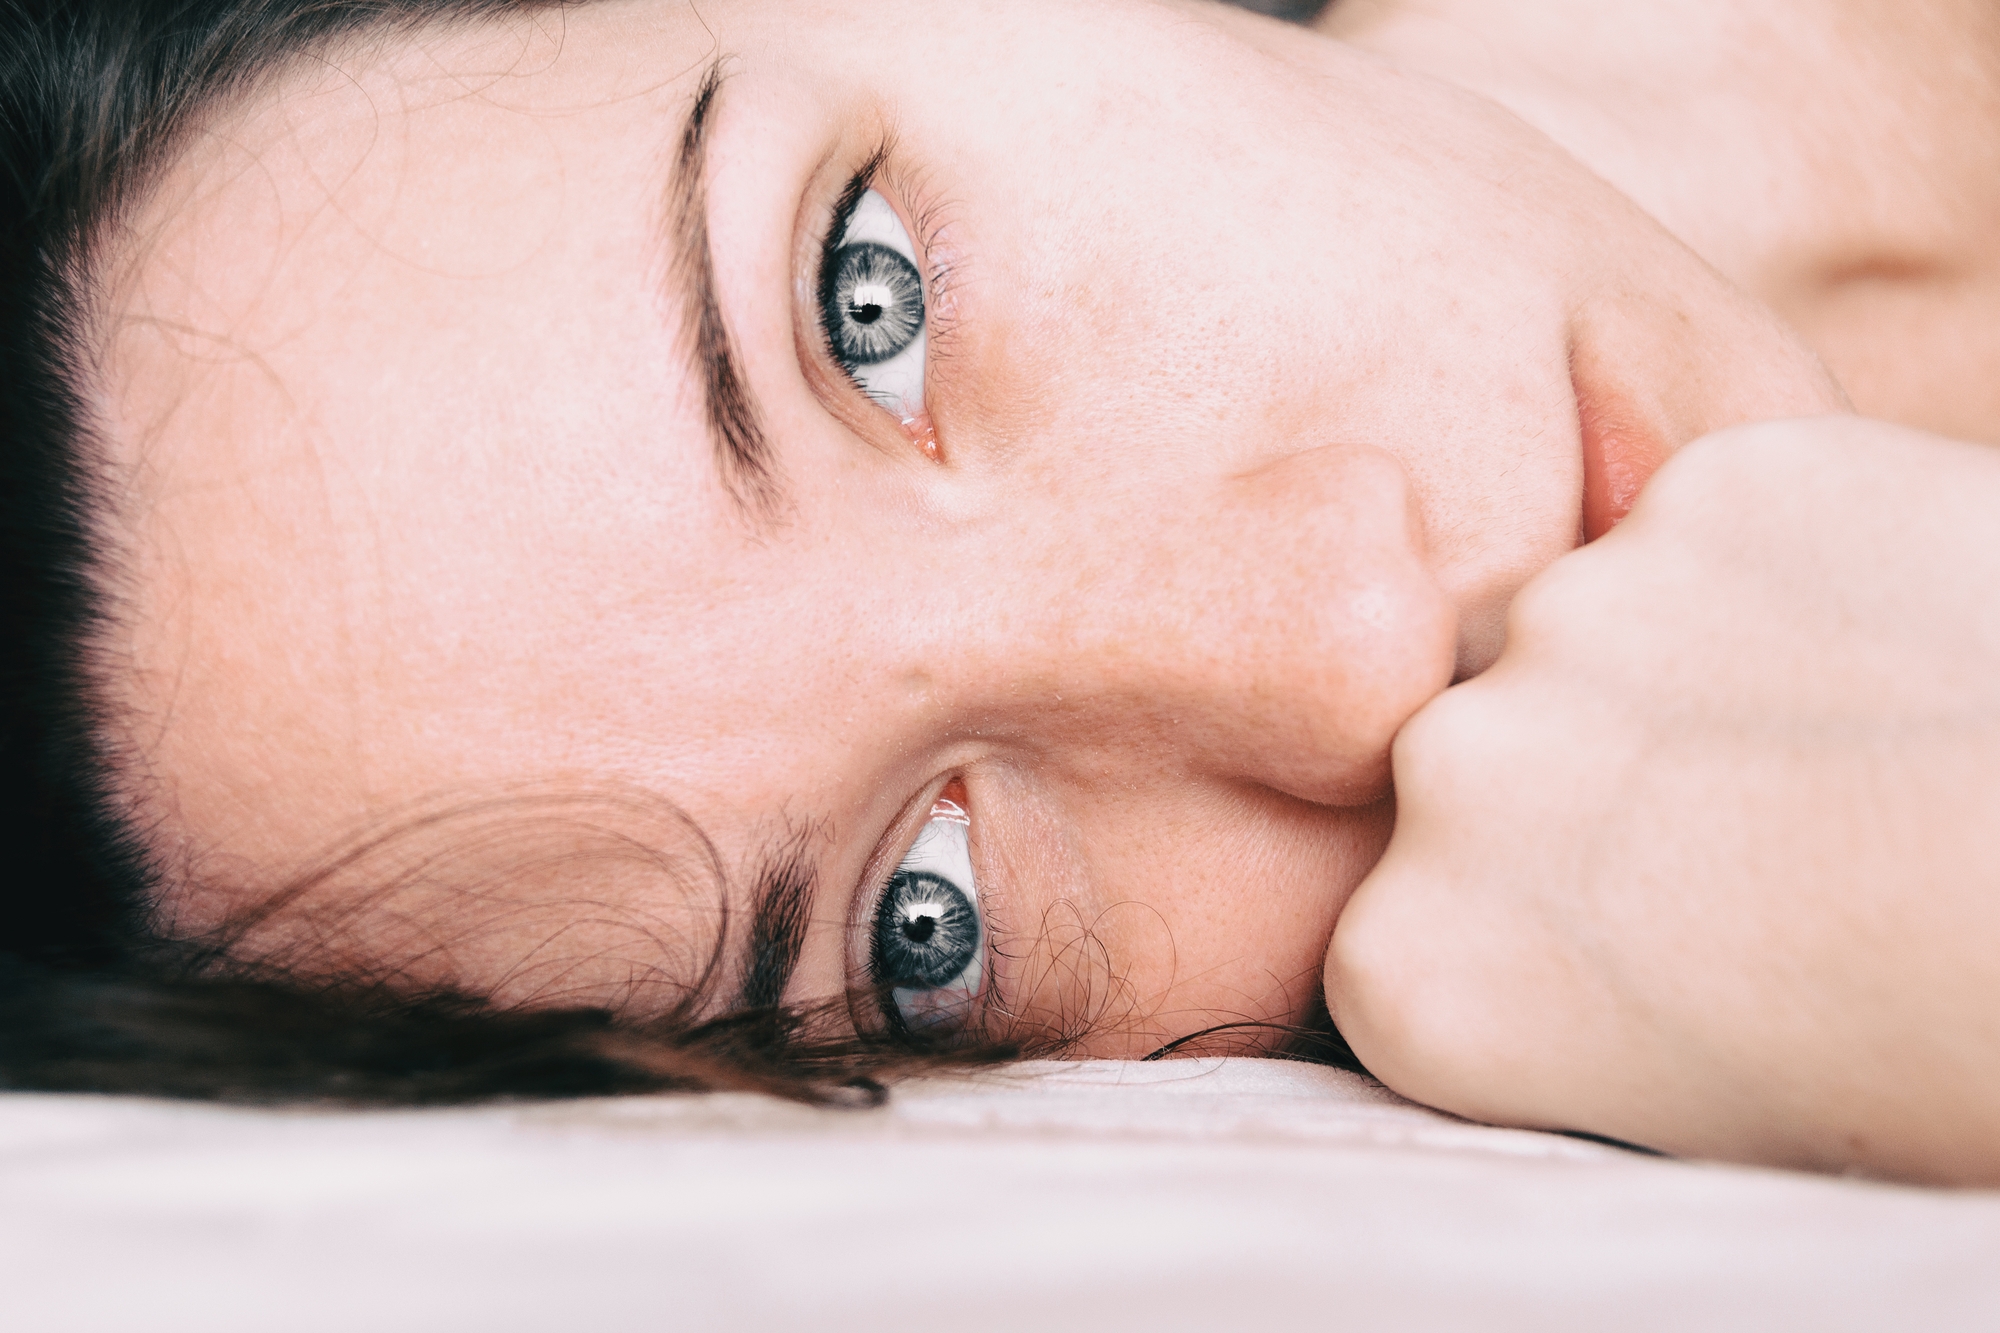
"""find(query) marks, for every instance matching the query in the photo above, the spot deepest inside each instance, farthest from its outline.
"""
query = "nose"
(1275, 626)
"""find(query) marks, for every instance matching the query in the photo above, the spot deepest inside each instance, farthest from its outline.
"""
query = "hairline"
(74, 292)
(116, 779)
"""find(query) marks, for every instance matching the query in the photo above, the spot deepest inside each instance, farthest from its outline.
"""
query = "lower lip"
(1621, 452)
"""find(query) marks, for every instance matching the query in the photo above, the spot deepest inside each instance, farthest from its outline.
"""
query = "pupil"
(919, 929)
(864, 314)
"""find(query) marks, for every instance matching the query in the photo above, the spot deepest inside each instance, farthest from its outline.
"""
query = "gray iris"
(926, 932)
(872, 302)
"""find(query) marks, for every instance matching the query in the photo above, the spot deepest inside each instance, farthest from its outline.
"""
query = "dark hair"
(95, 95)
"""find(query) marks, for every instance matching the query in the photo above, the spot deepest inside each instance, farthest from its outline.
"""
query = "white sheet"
(1188, 1194)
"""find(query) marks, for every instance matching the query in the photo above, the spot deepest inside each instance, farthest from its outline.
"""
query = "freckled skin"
(1246, 437)
(1716, 117)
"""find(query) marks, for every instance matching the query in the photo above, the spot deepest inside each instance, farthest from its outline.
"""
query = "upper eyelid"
(927, 216)
(992, 894)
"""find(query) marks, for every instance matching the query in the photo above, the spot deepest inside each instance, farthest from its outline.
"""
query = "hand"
(1710, 859)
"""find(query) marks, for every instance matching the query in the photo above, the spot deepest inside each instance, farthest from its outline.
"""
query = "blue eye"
(929, 946)
(871, 305)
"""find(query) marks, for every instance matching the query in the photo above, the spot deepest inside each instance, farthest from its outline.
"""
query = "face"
(938, 512)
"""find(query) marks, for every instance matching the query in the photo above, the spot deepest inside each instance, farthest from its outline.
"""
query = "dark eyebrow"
(742, 453)
(785, 891)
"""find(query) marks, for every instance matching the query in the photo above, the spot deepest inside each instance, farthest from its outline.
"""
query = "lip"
(1621, 449)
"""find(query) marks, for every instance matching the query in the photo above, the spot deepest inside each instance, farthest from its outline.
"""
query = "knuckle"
(1396, 1008)
(1712, 479)
(1568, 608)
(1427, 745)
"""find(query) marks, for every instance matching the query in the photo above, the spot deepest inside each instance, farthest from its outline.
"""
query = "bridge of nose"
(1276, 626)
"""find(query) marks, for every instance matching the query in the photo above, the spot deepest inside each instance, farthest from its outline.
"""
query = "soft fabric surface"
(1218, 1194)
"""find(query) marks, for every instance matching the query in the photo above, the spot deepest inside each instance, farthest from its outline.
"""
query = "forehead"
(372, 245)
(393, 383)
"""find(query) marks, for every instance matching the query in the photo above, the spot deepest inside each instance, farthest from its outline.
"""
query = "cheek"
(1059, 328)
(1211, 915)
(1001, 375)
(1089, 321)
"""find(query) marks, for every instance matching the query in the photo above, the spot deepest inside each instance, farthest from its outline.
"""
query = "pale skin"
(1701, 862)
(1835, 158)
(1706, 860)
(1262, 384)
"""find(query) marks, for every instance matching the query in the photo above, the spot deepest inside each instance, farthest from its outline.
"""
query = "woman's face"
(491, 426)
